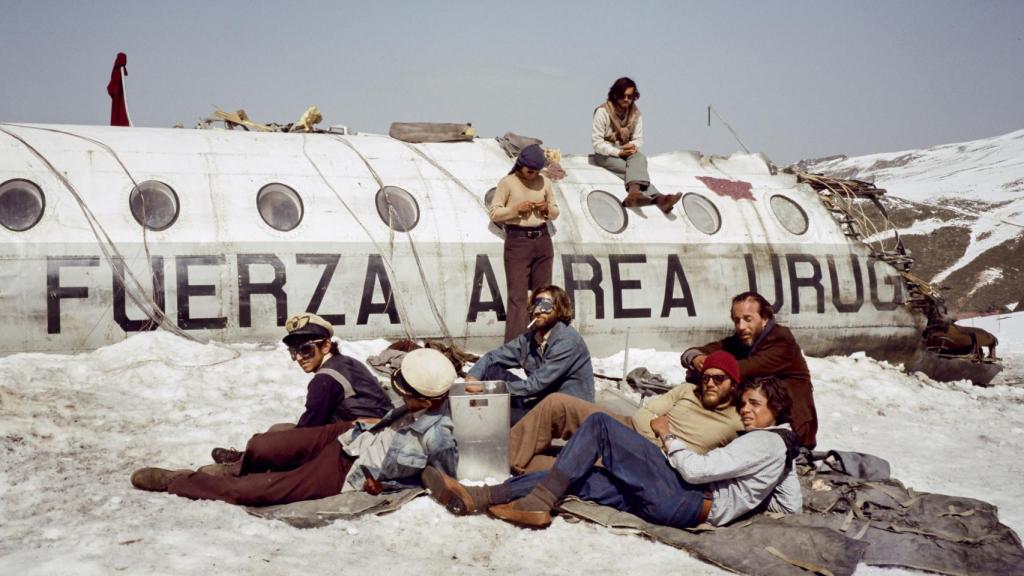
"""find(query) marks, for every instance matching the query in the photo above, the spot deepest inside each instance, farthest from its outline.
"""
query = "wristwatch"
(668, 438)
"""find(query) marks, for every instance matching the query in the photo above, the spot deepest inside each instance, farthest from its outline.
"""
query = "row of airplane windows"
(155, 206)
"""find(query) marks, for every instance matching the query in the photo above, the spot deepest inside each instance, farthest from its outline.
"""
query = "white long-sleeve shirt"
(602, 129)
(741, 475)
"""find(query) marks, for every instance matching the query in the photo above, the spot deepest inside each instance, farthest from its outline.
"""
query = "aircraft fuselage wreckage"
(223, 234)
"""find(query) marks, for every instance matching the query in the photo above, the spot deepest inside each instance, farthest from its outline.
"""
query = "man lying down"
(678, 488)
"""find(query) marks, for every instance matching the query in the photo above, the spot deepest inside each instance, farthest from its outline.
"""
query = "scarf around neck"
(622, 132)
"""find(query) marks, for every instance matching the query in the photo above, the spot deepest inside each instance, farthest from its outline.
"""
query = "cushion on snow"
(345, 506)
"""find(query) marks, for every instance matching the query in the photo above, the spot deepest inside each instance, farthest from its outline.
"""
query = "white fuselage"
(220, 271)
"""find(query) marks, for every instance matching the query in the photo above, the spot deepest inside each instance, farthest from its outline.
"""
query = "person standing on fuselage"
(523, 203)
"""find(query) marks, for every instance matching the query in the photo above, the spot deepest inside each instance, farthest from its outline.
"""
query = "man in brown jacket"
(765, 348)
(703, 417)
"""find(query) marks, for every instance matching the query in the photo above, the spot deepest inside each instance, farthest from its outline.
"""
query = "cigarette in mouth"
(532, 322)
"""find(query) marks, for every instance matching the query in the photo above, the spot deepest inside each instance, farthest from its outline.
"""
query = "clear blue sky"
(795, 79)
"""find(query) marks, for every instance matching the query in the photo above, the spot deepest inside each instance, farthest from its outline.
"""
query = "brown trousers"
(556, 416)
(527, 267)
(277, 468)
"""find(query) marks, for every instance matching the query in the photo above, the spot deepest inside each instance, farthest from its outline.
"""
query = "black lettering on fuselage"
(674, 275)
(593, 284)
(482, 272)
(55, 292)
(619, 285)
(376, 274)
(246, 287)
(187, 290)
(894, 281)
(156, 263)
(330, 264)
(833, 276)
(780, 297)
(796, 282)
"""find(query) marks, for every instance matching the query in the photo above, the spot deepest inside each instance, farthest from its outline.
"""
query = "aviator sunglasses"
(306, 350)
(543, 306)
(718, 378)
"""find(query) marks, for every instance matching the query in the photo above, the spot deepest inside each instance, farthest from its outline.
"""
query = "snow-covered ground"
(73, 429)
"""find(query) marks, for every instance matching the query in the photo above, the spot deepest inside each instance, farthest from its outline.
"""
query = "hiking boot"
(666, 202)
(156, 479)
(636, 200)
(226, 455)
(232, 469)
(527, 518)
(448, 492)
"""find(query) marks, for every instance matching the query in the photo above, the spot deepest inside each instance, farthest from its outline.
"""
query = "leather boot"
(156, 479)
(514, 514)
(232, 469)
(667, 201)
(226, 455)
(448, 492)
(635, 198)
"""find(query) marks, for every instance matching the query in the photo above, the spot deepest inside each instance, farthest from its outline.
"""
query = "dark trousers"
(635, 477)
(527, 267)
(277, 468)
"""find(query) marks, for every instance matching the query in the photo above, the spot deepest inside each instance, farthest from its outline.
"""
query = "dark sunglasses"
(718, 378)
(306, 350)
(633, 96)
(543, 306)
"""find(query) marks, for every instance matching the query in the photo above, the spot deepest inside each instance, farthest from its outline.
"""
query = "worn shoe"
(155, 479)
(226, 455)
(636, 200)
(232, 469)
(665, 202)
(448, 492)
(527, 518)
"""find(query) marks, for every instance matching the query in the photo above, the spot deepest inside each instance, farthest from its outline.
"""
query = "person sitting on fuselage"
(681, 490)
(704, 416)
(552, 353)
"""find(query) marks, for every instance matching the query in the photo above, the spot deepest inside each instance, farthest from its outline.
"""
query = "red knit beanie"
(725, 362)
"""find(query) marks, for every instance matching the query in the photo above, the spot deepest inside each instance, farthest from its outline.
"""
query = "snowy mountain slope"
(74, 427)
(959, 208)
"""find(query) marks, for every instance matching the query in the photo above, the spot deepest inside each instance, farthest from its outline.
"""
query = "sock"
(545, 494)
(481, 495)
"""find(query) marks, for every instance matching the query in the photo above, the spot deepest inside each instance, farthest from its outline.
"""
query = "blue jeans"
(636, 477)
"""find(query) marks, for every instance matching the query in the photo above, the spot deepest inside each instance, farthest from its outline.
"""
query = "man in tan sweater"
(703, 417)
(523, 203)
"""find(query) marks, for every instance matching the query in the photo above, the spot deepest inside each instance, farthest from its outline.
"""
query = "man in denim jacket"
(312, 463)
(551, 352)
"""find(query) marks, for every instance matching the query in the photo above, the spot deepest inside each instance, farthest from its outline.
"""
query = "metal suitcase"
(481, 430)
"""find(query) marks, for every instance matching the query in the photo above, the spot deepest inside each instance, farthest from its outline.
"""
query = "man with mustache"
(703, 417)
(766, 348)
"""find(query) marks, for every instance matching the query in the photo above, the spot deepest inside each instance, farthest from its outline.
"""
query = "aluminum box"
(482, 423)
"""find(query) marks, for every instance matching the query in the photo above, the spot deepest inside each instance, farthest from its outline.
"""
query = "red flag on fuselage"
(118, 104)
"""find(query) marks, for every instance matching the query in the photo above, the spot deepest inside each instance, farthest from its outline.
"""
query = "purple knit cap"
(532, 157)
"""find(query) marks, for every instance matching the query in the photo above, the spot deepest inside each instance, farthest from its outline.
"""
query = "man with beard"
(551, 353)
(766, 348)
(703, 417)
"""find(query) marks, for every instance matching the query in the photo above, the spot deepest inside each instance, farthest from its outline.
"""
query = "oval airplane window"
(21, 204)
(397, 208)
(702, 213)
(154, 205)
(607, 211)
(790, 214)
(488, 197)
(280, 206)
